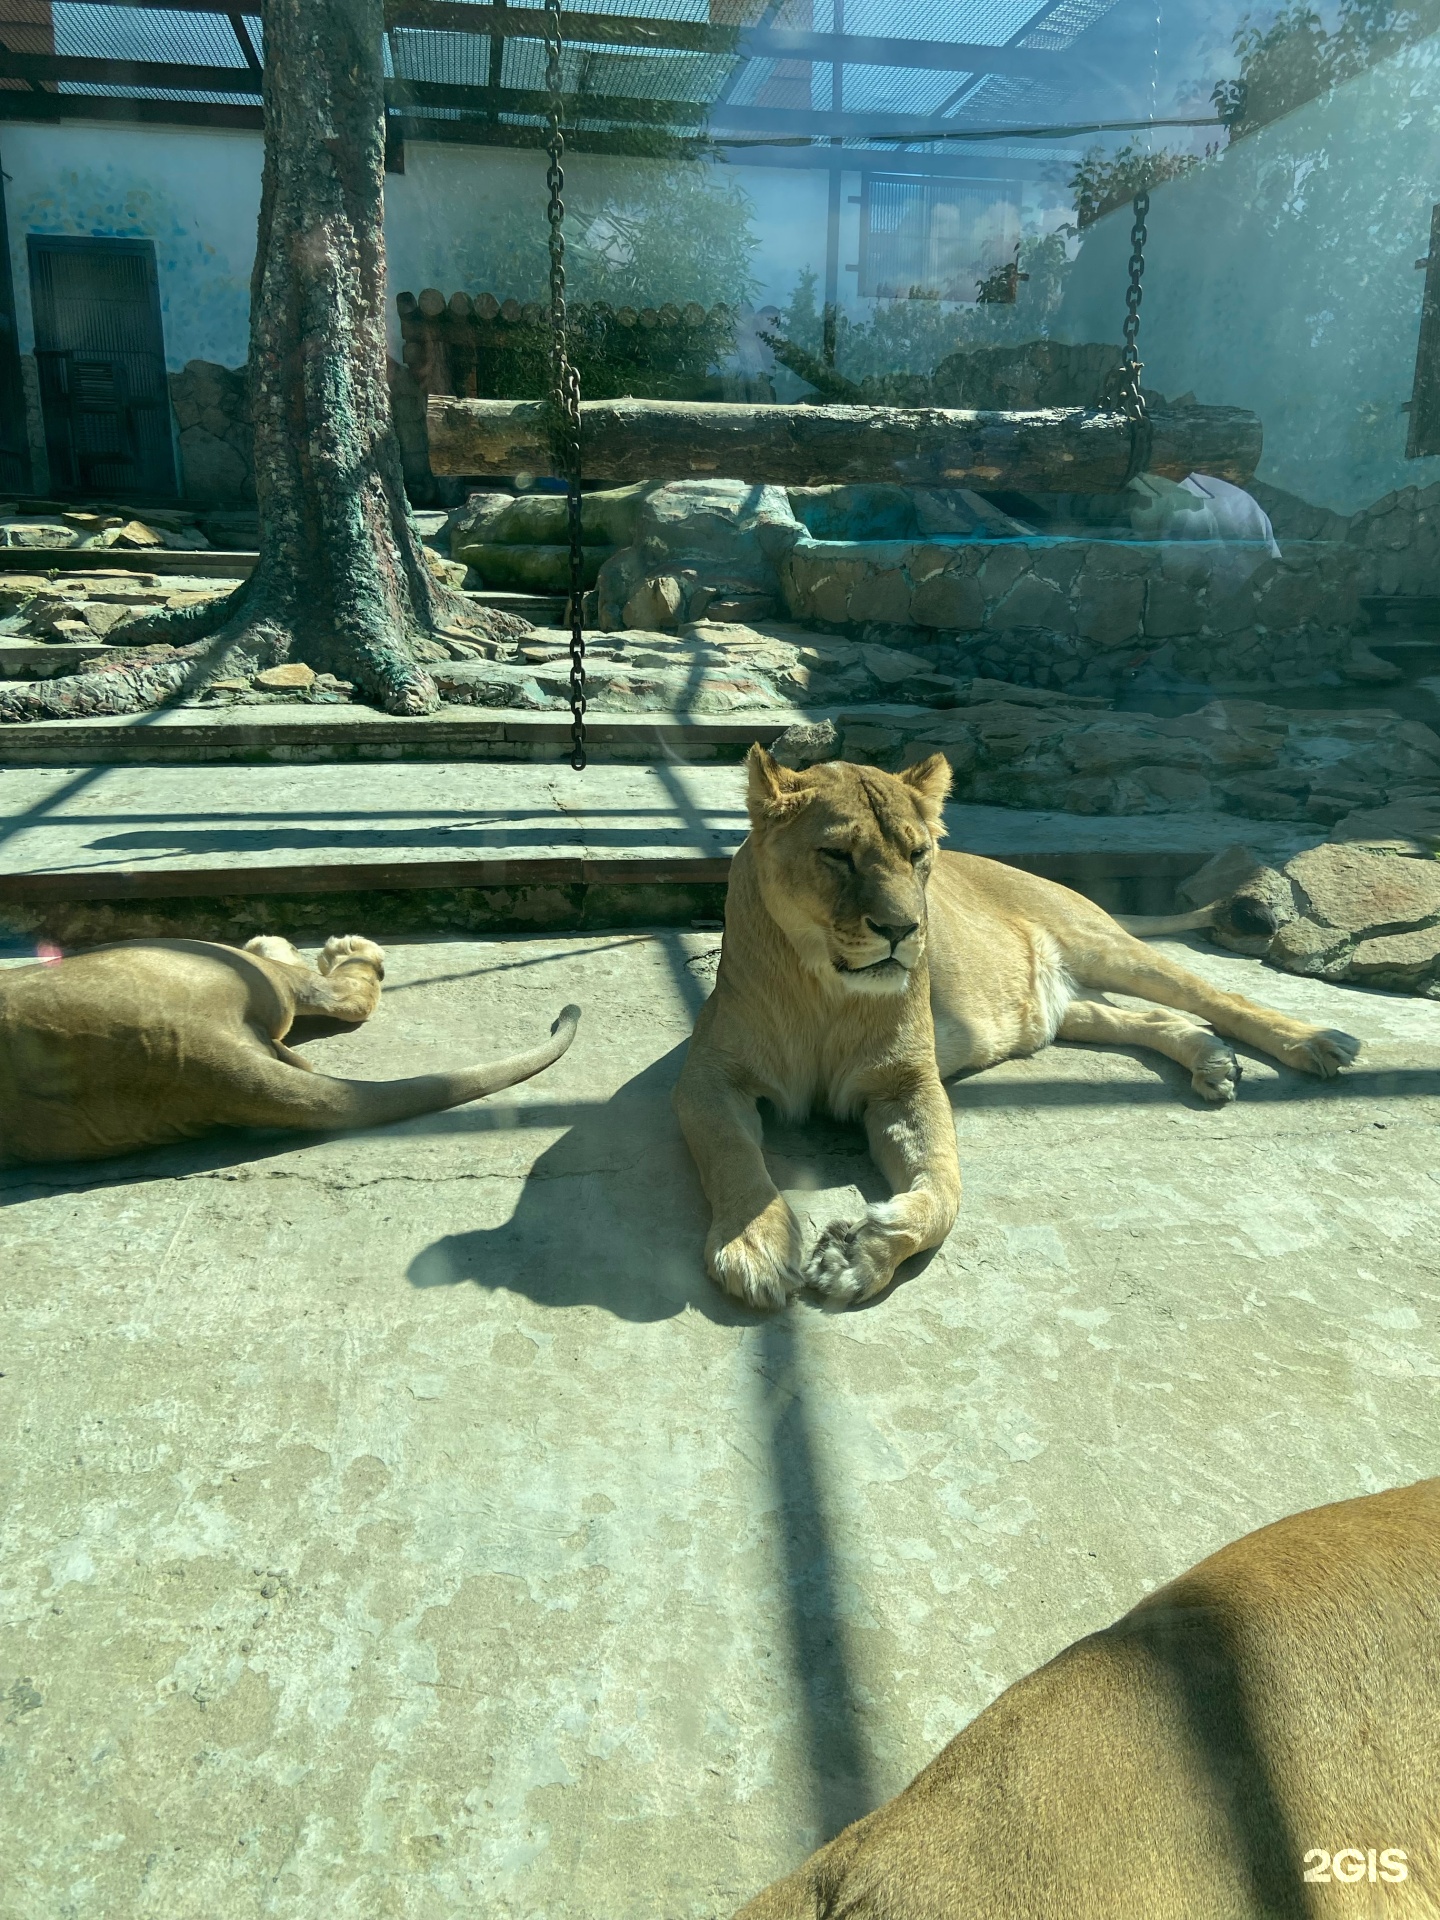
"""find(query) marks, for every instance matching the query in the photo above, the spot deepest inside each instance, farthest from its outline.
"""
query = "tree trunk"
(342, 581)
(1054, 450)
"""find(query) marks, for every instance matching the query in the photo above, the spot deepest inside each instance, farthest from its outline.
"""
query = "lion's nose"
(893, 934)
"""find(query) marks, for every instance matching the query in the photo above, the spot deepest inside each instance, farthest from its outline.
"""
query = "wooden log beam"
(1055, 450)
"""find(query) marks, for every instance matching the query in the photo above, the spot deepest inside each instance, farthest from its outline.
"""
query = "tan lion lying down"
(158, 1040)
(1259, 1739)
(860, 967)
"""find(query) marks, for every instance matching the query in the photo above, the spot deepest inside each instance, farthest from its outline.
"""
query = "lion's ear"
(929, 780)
(773, 791)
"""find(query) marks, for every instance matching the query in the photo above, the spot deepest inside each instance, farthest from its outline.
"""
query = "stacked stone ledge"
(1014, 747)
(1086, 615)
(1059, 612)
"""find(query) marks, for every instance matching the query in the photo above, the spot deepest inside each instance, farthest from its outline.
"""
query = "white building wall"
(1280, 276)
(195, 193)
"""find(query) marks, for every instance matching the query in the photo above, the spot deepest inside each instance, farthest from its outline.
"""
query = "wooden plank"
(1057, 450)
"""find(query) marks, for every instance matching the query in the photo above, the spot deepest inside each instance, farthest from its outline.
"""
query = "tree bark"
(1057, 450)
(342, 581)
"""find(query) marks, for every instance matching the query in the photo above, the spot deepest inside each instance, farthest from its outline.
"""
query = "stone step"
(295, 733)
(44, 659)
(103, 852)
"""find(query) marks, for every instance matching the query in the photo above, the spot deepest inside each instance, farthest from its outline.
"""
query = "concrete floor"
(402, 1526)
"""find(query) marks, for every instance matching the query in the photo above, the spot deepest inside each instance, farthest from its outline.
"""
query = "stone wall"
(1014, 747)
(1085, 614)
(216, 436)
(212, 412)
(1396, 542)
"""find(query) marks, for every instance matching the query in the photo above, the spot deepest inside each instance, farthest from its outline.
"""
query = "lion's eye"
(917, 854)
(839, 856)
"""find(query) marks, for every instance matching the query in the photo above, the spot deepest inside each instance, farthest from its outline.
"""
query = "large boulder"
(1364, 911)
(701, 549)
(522, 541)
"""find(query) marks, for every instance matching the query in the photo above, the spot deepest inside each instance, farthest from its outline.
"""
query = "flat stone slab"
(403, 1522)
(108, 830)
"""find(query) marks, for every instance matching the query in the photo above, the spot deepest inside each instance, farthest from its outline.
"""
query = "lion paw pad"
(1216, 1076)
(838, 1269)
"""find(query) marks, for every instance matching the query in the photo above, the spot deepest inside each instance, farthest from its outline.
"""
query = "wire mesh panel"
(100, 352)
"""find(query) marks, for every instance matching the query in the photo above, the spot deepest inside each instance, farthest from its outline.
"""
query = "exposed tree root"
(174, 654)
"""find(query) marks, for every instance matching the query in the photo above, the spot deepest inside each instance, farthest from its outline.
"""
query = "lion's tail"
(1151, 926)
(279, 1095)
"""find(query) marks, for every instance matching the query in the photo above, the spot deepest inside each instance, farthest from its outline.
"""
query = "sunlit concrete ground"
(402, 1526)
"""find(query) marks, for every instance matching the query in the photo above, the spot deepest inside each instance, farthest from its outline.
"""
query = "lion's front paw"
(761, 1263)
(270, 946)
(1322, 1051)
(1216, 1074)
(851, 1260)
(341, 947)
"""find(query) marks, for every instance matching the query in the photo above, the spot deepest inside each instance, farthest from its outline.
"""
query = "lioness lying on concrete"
(1259, 1739)
(156, 1040)
(860, 967)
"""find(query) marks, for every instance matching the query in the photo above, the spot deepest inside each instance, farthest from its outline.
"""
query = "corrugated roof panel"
(136, 33)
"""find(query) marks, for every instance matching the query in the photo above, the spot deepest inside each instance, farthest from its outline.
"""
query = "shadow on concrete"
(841, 1784)
(1194, 1647)
(612, 1214)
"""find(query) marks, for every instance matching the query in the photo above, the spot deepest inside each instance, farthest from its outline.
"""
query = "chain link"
(1132, 401)
(564, 379)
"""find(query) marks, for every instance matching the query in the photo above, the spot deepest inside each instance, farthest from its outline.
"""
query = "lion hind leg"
(1127, 966)
(1214, 1070)
(343, 985)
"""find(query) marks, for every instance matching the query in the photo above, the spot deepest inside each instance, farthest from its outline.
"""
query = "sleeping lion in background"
(860, 967)
(160, 1040)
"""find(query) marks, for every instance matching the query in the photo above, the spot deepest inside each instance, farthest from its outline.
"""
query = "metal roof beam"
(155, 113)
(128, 73)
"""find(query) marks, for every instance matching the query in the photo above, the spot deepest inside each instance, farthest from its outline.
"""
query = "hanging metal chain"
(1131, 399)
(564, 380)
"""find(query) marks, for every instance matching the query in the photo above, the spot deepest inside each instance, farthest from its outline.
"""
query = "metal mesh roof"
(753, 94)
(137, 33)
